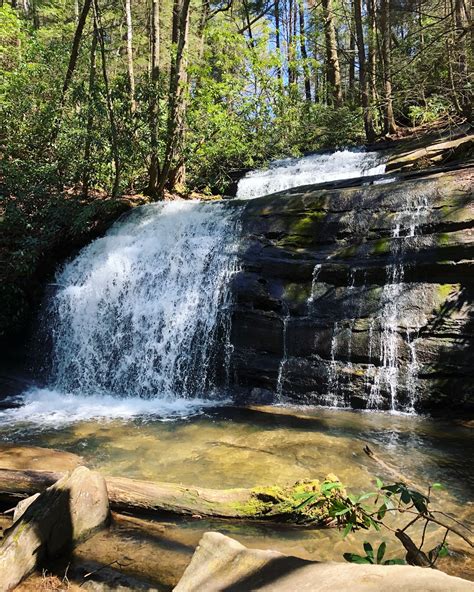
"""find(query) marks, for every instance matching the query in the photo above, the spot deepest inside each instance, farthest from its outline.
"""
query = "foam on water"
(139, 323)
(315, 168)
(48, 408)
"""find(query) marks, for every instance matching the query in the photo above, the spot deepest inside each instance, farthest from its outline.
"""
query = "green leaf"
(381, 552)
(347, 529)
(369, 550)
(342, 512)
(353, 558)
(381, 511)
(394, 562)
(437, 486)
(305, 502)
(379, 483)
(443, 551)
(326, 487)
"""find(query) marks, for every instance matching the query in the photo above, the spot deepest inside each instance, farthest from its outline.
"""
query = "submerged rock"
(221, 563)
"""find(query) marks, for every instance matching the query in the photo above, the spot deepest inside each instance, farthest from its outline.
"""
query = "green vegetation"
(177, 94)
(103, 98)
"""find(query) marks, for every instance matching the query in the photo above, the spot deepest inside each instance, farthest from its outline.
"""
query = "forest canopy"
(148, 95)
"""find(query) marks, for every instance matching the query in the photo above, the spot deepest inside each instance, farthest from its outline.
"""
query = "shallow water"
(232, 447)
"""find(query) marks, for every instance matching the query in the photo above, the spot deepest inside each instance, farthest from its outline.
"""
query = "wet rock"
(314, 293)
(68, 511)
(37, 458)
(221, 563)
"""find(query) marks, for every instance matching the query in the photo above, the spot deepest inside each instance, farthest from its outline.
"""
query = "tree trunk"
(364, 86)
(352, 52)
(131, 75)
(71, 66)
(177, 96)
(135, 497)
(277, 34)
(154, 168)
(304, 53)
(332, 58)
(110, 107)
(90, 116)
(385, 30)
(461, 24)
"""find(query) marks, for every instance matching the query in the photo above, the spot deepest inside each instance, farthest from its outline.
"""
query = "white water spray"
(139, 312)
(316, 168)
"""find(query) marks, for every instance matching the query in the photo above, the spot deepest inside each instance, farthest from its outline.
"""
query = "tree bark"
(363, 78)
(461, 24)
(108, 97)
(131, 75)
(90, 116)
(332, 58)
(71, 65)
(174, 158)
(304, 53)
(390, 126)
(135, 497)
(352, 52)
(154, 168)
(277, 34)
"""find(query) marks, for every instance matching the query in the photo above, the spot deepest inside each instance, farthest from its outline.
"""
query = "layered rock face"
(359, 296)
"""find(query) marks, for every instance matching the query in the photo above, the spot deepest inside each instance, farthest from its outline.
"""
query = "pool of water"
(246, 447)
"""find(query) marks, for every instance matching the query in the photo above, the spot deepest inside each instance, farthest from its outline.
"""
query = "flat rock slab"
(36, 458)
(221, 563)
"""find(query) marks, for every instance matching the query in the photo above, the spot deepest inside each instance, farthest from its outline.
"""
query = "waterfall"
(144, 311)
(315, 168)
(394, 300)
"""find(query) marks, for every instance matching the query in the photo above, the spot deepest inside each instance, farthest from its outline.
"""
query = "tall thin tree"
(363, 78)
(154, 168)
(332, 57)
(131, 74)
(174, 158)
(386, 37)
(99, 31)
(304, 52)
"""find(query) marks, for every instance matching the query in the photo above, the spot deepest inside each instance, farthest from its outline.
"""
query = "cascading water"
(393, 308)
(315, 168)
(138, 314)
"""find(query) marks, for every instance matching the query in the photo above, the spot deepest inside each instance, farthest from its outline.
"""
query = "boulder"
(47, 526)
(221, 563)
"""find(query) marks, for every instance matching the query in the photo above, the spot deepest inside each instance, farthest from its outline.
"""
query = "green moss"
(381, 246)
(306, 225)
(445, 290)
(297, 292)
(305, 501)
(295, 241)
(443, 239)
(346, 252)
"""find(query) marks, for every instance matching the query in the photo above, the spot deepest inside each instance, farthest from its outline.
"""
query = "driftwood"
(130, 495)
(280, 504)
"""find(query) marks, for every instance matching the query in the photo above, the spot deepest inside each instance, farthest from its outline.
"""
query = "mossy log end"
(133, 496)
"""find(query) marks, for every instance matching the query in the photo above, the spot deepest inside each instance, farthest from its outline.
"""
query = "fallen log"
(134, 496)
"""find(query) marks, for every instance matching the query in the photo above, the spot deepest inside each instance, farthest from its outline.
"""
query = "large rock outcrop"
(221, 563)
(359, 296)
